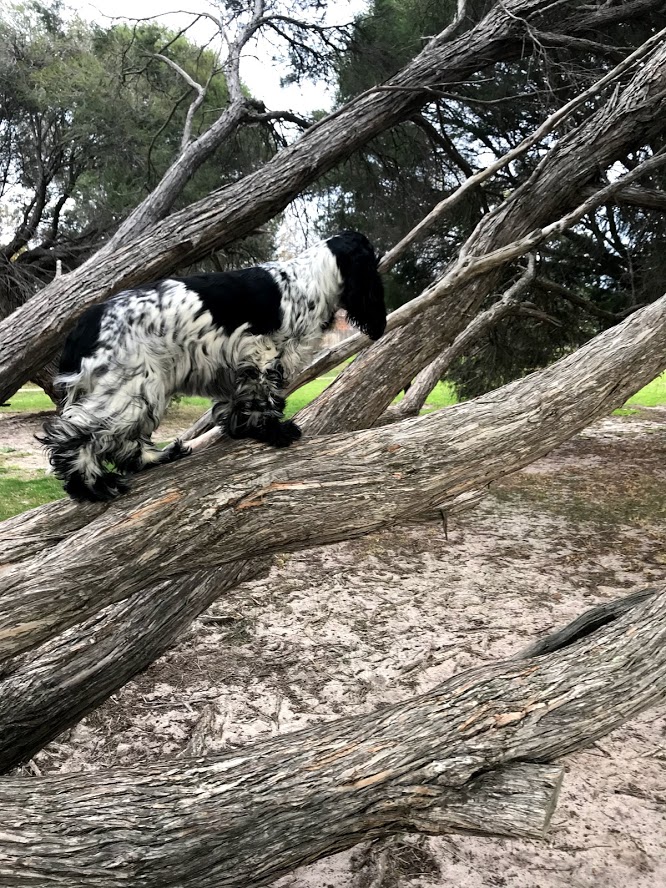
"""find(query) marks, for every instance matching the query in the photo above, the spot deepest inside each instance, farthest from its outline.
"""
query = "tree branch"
(271, 501)
(546, 127)
(195, 105)
(428, 378)
(637, 196)
(466, 268)
(453, 759)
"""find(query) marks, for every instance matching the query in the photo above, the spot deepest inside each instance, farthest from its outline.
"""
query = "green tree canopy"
(90, 120)
(614, 256)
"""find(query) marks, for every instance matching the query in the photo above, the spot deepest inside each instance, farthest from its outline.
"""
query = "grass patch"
(653, 395)
(21, 490)
(28, 400)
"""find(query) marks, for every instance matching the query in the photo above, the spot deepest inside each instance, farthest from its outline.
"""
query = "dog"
(237, 337)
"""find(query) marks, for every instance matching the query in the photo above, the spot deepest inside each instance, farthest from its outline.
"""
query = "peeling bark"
(453, 759)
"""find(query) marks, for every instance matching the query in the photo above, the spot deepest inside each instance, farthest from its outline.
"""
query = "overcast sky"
(258, 71)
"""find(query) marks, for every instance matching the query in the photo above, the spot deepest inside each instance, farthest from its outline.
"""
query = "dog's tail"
(78, 453)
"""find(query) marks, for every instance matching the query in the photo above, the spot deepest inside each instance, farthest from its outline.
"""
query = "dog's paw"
(282, 434)
(176, 451)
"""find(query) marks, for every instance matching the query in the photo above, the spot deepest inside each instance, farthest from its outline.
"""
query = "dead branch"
(194, 105)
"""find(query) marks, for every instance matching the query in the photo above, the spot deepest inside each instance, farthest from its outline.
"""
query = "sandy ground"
(342, 629)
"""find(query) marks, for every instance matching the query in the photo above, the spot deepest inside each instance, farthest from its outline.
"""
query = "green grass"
(653, 395)
(28, 400)
(21, 490)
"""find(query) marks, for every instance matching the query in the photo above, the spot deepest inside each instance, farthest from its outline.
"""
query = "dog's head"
(363, 294)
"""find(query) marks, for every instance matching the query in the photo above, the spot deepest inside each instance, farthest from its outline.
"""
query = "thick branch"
(637, 196)
(634, 117)
(187, 518)
(441, 762)
(34, 332)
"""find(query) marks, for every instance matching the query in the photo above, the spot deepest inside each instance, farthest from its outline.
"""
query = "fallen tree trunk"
(444, 761)
(33, 333)
(185, 519)
(64, 562)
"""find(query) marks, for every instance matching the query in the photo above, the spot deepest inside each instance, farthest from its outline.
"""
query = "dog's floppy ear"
(363, 294)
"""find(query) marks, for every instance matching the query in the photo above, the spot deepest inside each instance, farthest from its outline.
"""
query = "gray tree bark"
(453, 759)
(428, 378)
(153, 558)
(32, 334)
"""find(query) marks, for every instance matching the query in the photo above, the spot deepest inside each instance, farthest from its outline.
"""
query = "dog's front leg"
(256, 407)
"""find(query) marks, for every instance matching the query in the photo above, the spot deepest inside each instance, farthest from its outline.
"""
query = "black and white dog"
(235, 336)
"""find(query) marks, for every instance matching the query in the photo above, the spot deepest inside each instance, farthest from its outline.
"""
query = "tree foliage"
(609, 263)
(91, 119)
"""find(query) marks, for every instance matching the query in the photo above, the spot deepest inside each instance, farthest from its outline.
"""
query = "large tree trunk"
(66, 563)
(33, 333)
(449, 760)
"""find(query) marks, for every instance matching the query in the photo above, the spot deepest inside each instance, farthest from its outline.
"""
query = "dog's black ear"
(363, 294)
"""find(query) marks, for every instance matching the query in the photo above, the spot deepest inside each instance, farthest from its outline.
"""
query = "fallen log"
(206, 512)
(467, 756)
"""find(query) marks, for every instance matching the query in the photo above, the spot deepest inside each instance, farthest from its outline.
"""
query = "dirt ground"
(344, 628)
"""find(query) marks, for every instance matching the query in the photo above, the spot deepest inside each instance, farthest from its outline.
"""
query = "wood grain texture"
(206, 512)
(440, 762)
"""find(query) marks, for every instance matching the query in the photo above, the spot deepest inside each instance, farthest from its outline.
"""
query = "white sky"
(258, 71)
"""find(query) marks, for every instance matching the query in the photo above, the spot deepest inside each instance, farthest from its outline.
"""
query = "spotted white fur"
(209, 335)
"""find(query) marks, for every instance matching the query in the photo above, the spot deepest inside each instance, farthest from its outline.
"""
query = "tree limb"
(270, 501)
(194, 105)
(638, 196)
(435, 215)
(368, 385)
(428, 378)
(466, 268)
(441, 762)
